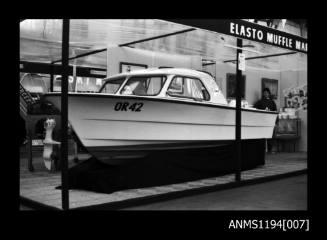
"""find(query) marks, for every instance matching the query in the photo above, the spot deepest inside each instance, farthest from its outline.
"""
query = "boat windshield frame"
(113, 79)
(163, 76)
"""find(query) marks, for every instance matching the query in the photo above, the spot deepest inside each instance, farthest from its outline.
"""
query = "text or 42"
(126, 106)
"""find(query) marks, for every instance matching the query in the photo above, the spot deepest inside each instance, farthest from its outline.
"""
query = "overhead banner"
(248, 30)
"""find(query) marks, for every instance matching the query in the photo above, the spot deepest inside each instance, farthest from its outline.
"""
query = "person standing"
(267, 103)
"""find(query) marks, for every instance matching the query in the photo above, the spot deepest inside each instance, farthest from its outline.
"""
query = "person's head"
(266, 93)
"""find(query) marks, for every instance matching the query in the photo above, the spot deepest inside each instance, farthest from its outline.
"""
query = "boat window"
(188, 88)
(112, 86)
(35, 83)
(144, 85)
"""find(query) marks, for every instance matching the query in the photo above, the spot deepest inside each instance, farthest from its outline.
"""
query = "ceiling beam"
(127, 44)
(83, 55)
(160, 36)
(263, 56)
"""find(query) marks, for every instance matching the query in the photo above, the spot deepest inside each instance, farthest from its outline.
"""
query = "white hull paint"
(160, 123)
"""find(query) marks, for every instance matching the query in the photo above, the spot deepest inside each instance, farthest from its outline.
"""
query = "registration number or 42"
(126, 106)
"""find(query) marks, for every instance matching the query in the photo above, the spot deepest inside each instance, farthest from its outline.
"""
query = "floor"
(285, 194)
(40, 185)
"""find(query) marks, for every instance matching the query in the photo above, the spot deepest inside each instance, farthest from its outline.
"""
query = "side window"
(188, 88)
(154, 85)
(144, 85)
(176, 86)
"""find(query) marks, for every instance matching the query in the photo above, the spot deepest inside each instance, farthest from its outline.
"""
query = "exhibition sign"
(248, 30)
(241, 61)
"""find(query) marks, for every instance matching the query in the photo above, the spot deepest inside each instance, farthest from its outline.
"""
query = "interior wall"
(286, 79)
(252, 82)
(296, 79)
(294, 74)
(292, 79)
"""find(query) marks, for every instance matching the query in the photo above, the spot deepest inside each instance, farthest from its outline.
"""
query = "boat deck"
(39, 186)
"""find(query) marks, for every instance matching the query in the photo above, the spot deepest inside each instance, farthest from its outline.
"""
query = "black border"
(213, 221)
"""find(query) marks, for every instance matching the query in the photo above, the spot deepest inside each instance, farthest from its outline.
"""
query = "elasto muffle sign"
(247, 30)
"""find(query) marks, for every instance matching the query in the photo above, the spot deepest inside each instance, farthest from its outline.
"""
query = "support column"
(51, 77)
(238, 144)
(64, 115)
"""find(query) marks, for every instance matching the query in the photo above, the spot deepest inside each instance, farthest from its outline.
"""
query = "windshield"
(144, 85)
(112, 86)
(35, 83)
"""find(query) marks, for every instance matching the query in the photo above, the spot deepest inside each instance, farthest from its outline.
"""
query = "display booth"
(245, 59)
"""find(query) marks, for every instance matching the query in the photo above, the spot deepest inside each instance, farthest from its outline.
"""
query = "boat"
(138, 112)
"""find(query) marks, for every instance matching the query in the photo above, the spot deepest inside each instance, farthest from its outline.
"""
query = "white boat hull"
(109, 131)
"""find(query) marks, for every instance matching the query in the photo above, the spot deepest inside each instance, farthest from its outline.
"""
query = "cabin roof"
(165, 71)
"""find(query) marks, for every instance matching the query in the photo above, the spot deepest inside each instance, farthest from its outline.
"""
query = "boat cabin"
(177, 83)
